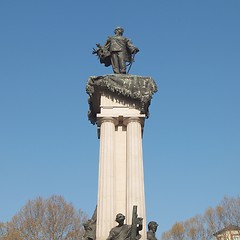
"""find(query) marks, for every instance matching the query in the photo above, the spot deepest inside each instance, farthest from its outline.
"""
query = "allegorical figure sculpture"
(90, 227)
(124, 231)
(117, 51)
(152, 228)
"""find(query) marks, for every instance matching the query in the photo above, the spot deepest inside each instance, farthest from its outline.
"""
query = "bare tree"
(7, 232)
(202, 227)
(2, 229)
(192, 228)
(166, 236)
(50, 219)
(210, 221)
(178, 231)
(231, 208)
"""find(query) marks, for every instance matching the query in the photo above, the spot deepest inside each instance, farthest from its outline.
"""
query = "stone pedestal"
(119, 105)
(121, 178)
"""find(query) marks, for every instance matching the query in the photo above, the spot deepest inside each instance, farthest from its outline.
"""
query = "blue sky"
(191, 141)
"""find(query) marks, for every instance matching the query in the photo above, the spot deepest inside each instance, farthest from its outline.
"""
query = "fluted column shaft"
(106, 194)
(135, 172)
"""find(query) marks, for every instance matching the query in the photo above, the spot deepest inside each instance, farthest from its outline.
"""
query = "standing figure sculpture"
(124, 231)
(90, 227)
(116, 52)
(152, 228)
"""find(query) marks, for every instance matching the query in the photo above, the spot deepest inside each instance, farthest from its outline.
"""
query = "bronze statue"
(152, 228)
(116, 52)
(124, 231)
(90, 227)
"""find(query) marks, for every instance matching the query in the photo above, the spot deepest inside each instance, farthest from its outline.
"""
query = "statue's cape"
(137, 88)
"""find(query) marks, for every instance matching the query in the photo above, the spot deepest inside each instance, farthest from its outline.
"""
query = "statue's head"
(119, 29)
(152, 226)
(120, 217)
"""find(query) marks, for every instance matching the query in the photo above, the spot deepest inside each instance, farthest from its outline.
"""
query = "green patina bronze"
(136, 88)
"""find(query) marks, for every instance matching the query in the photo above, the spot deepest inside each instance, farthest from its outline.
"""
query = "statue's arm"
(131, 47)
(111, 235)
(107, 43)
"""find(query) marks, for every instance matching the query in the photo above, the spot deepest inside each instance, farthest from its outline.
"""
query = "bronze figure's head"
(120, 217)
(119, 29)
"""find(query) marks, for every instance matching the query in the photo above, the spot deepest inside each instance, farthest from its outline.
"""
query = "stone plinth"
(119, 105)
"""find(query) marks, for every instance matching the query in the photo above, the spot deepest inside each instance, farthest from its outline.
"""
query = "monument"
(118, 105)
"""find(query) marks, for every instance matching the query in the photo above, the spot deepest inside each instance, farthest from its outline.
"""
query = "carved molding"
(133, 87)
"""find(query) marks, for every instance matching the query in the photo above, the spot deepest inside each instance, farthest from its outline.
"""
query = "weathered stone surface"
(137, 88)
(119, 105)
(121, 177)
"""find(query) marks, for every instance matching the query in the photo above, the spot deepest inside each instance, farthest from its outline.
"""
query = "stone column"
(106, 201)
(120, 170)
(135, 174)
